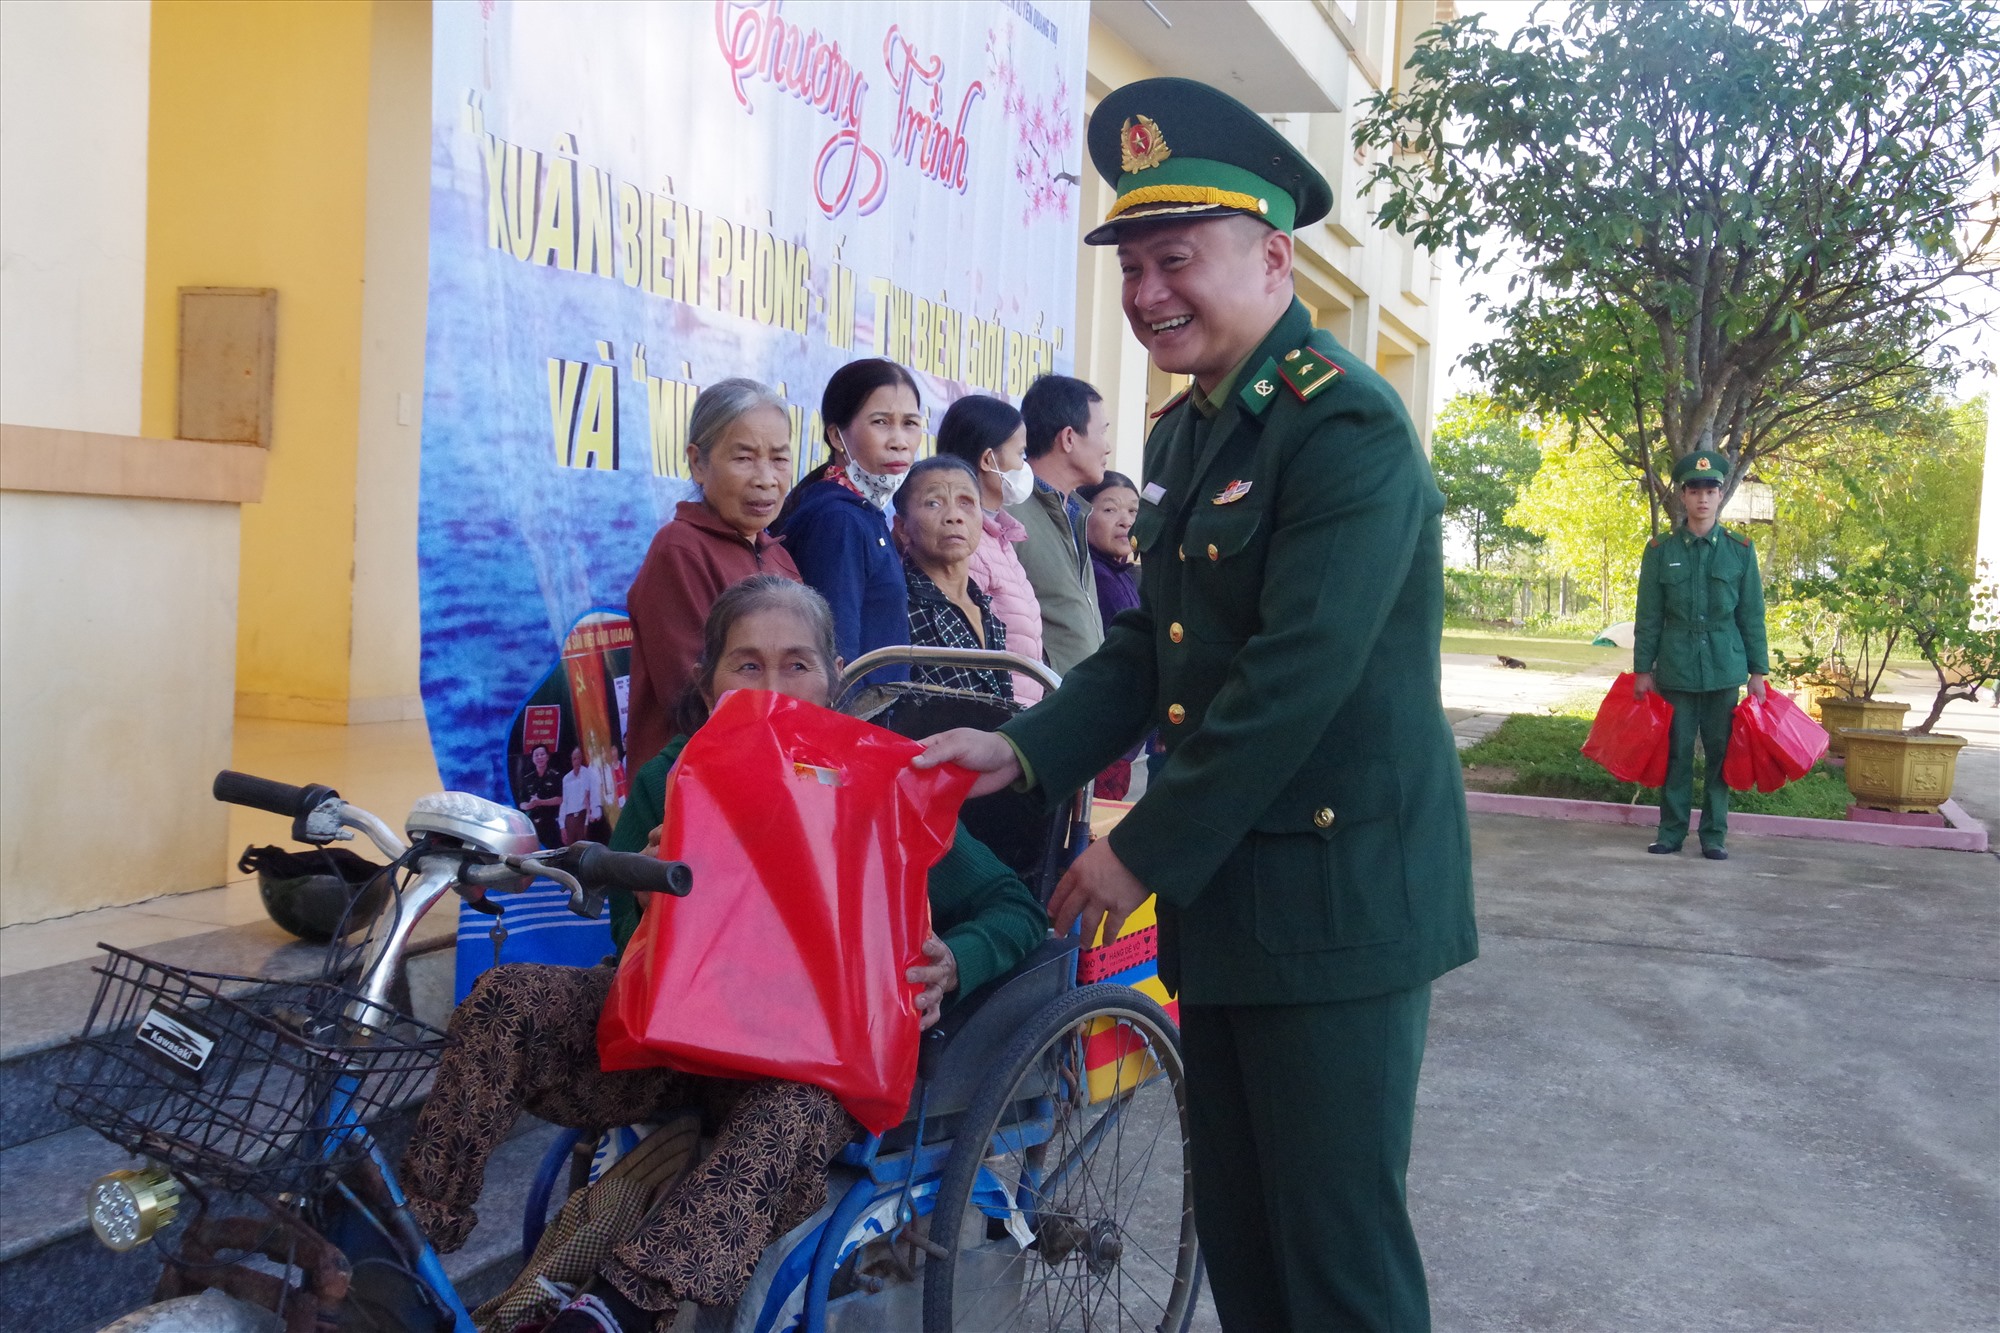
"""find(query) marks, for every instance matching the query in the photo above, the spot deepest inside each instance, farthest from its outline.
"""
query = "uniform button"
(1181, 551)
(1323, 817)
(1176, 714)
(1213, 553)
(1174, 631)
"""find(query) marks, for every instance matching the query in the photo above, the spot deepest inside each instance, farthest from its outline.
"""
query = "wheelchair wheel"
(1065, 1203)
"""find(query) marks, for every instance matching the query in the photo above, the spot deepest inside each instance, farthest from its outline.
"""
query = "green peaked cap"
(1701, 465)
(1177, 148)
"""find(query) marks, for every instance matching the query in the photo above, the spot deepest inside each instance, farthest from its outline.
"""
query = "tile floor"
(381, 766)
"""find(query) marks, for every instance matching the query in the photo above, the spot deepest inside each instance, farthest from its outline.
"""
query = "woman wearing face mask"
(836, 523)
(740, 453)
(988, 434)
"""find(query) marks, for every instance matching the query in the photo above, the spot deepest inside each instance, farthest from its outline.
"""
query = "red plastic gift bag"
(1749, 761)
(810, 837)
(1794, 740)
(1629, 737)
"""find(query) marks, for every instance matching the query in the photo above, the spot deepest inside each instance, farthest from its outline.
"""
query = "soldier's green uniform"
(1700, 631)
(1306, 836)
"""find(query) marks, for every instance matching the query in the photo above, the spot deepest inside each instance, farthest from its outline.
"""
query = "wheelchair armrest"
(1044, 974)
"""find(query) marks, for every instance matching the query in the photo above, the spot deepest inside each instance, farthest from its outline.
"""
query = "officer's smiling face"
(1202, 294)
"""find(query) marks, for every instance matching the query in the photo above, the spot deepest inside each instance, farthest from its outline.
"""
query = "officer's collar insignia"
(1231, 493)
(1141, 145)
(1701, 465)
(1263, 388)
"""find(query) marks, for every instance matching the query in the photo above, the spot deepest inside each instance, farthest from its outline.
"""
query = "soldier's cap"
(1174, 148)
(1703, 467)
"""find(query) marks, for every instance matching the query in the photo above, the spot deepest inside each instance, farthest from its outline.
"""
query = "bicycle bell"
(474, 821)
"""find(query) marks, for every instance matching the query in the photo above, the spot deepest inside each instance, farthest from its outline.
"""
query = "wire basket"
(240, 1090)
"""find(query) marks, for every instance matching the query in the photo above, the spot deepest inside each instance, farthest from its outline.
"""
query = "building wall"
(257, 177)
(382, 674)
(117, 614)
(72, 213)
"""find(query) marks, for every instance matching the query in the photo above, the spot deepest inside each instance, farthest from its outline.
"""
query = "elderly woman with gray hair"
(740, 453)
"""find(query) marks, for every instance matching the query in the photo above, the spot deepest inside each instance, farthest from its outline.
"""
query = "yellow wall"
(257, 171)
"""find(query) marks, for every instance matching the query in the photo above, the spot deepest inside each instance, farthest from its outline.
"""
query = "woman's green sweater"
(979, 907)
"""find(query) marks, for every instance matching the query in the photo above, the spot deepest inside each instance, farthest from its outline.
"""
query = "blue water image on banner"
(631, 200)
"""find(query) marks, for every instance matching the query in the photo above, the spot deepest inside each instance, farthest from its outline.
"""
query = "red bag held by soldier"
(1629, 737)
(811, 839)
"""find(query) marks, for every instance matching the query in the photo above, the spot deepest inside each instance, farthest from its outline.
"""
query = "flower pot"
(1895, 770)
(1875, 714)
(1812, 695)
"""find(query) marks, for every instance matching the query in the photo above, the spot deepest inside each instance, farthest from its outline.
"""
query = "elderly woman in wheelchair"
(526, 1035)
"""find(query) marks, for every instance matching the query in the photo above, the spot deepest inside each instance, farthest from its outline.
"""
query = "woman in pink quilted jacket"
(988, 434)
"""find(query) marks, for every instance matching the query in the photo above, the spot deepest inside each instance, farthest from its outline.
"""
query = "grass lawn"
(1532, 755)
(1539, 654)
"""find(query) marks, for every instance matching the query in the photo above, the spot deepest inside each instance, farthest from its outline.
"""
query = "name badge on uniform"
(1154, 492)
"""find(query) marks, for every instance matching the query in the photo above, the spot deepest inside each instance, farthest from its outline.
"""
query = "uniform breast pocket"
(1224, 550)
(1722, 593)
(1328, 872)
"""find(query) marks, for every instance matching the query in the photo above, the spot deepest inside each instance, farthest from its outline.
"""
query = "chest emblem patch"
(1231, 493)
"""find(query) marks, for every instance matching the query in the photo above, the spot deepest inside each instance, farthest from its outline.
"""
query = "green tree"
(1483, 455)
(1913, 490)
(1742, 223)
(1587, 509)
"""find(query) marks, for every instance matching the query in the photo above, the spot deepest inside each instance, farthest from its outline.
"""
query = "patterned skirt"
(527, 1041)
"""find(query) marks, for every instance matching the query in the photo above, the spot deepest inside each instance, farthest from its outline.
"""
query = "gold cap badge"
(1141, 144)
(1701, 465)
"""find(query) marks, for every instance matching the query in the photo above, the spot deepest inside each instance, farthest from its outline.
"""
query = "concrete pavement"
(1681, 1095)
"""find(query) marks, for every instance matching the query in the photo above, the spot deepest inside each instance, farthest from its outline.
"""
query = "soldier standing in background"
(1306, 836)
(1698, 632)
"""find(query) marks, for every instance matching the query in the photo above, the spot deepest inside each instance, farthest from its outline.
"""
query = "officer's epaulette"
(1653, 540)
(1172, 403)
(1307, 371)
(1742, 538)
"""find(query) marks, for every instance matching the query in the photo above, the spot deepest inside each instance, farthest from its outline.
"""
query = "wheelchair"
(1041, 1178)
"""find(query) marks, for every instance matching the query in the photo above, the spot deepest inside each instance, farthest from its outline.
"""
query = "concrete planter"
(1894, 770)
(1837, 715)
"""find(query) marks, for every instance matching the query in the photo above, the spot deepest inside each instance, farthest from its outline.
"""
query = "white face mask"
(1015, 486)
(878, 490)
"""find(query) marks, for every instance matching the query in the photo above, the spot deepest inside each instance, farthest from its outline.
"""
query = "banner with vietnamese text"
(631, 200)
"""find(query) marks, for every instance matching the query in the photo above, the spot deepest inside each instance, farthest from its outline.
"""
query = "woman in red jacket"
(740, 453)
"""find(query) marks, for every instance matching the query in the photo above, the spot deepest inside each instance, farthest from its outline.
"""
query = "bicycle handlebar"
(635, 871)
(280, 798)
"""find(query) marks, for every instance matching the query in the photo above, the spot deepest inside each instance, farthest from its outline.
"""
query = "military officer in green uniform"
(1306, 835)
(1698, 632)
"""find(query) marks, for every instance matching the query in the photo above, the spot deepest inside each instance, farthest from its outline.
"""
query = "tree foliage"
(1741, 222)
(1586, 508)
(1483, 455)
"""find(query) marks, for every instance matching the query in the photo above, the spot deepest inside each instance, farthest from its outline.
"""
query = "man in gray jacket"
(1069, 445)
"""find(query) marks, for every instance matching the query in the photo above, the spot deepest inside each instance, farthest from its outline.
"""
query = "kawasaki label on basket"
(173, 1036)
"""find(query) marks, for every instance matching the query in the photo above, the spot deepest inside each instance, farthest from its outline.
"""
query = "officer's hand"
(1642, 684)
(938, 978)
(984, 752)
(1757, 686)
(1097, 888)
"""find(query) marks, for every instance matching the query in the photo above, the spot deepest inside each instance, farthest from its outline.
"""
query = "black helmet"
(320, 893)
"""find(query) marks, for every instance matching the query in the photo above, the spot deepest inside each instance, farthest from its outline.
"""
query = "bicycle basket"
(238, 1089)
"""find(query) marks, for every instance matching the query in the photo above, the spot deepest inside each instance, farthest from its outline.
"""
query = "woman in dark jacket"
(836, 524)
(1114, 505)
